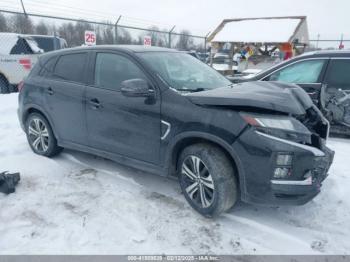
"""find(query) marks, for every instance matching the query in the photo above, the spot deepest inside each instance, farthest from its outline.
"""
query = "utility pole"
(318, 39)
(205, 42)
(341, 45)
(172, 29)
(24, 10)
(116, 30)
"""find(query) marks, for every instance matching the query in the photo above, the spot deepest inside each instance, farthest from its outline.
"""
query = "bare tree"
(3, 24)
(185, 41)
(74, 33)
(157, 38)
(164, 39)
(124, 37)
(67, 32)
(41, 28)
(107, 34)
(80, 28)
(22, 24)
(154, 35)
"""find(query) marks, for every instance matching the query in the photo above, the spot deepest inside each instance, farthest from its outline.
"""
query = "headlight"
(275, 122)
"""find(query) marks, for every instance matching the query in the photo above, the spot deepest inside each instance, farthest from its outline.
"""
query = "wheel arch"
(37, 109)
(190, 138)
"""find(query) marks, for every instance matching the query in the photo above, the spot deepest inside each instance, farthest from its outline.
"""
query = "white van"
(18, 54)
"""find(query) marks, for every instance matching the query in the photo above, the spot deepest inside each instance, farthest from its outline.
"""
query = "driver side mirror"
(136, 88)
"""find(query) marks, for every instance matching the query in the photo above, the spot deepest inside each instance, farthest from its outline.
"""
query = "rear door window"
(306, 72)
(71, 67)
(338, 74)
(112, 69)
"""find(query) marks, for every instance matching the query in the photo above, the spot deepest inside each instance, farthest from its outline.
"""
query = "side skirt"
(123, 160)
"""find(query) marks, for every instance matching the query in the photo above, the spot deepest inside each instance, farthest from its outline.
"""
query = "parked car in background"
(18, 53)
(204, 57)
(50, 43)
(194, 54)
(224, 64)
(324, 75)
(166, 112)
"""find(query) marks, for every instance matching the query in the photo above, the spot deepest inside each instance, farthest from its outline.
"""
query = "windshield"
(184, 72)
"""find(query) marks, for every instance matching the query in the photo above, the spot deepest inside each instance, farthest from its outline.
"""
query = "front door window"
(301, 72)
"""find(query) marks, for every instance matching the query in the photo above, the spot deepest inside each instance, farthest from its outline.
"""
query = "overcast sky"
(329, 18)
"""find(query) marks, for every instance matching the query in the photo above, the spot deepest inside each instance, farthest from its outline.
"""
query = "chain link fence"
(330, 44)
(107, 32)
(23, 37)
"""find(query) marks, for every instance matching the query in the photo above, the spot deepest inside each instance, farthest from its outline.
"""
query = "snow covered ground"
(80, 204)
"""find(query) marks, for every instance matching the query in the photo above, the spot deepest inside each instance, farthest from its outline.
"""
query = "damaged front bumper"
(301, 191)
(258, 153)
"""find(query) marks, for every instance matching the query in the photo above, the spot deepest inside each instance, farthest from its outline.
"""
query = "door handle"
(95, 103)
(50, 91)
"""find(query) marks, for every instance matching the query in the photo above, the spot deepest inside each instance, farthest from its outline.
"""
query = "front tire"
(207, 179)
(40, 136)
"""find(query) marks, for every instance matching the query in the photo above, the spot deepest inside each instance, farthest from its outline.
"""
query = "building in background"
(257, 43)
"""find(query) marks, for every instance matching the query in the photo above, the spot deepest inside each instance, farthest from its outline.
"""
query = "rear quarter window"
(70, 67)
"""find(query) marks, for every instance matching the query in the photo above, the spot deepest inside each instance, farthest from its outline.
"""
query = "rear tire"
(4, 85)
(207, 179)
(40, 136)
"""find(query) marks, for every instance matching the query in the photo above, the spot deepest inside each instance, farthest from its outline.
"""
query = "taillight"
(20, 86)
(26, 63)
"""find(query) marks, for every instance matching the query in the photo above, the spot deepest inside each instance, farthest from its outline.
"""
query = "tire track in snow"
(278, 235)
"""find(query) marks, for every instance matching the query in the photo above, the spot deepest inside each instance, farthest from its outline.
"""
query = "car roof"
(328, 53)
(123, 48)
(45, 36)
(129, 48)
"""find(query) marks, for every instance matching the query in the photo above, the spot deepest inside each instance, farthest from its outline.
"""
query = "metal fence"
(328, 44)
(24, 36)
(17, 55)
(108, 32)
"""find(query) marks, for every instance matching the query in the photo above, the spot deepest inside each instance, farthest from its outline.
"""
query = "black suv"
(166, 112)
(325, 76)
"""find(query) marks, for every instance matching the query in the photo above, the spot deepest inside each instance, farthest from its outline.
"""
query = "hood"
(276, 96)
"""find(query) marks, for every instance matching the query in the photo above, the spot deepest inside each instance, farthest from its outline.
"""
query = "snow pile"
(258, 31)
(81, 204)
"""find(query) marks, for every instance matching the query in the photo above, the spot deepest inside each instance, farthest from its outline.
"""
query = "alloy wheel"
(198, 182)
(38, 135)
